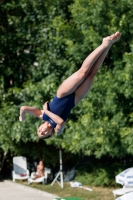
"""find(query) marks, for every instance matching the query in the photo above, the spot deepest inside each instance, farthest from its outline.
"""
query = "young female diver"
(70, 93)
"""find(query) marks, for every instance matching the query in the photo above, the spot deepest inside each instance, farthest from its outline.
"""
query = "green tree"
(42, 44)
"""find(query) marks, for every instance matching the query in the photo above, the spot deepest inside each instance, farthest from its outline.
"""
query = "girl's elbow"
(62, 122)
(22, 108)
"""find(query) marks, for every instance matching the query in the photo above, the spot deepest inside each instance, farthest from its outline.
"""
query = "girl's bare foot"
(109, 40)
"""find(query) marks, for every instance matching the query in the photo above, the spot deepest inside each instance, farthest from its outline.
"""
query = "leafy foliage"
(42, 43)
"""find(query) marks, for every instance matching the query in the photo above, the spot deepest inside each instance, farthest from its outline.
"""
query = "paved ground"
(15, 191)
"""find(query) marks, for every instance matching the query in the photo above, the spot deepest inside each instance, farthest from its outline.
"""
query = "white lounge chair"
(20, 170)
(123, 190)
(42, 179)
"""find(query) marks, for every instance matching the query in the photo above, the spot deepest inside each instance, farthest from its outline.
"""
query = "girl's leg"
(75, 80)
(84, 88)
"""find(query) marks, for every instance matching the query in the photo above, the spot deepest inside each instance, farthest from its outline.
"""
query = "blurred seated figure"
(41, 175)
(40, 171)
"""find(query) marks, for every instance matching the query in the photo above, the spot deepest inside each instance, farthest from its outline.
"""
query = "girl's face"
(44, 130)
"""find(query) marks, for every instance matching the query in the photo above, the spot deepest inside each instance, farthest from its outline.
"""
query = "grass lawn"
(97, 193)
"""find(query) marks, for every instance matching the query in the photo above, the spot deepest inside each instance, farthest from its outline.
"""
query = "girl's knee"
(82, 73)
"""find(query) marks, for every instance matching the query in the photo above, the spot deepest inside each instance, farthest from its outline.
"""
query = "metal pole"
(60, 173)
(61, 168)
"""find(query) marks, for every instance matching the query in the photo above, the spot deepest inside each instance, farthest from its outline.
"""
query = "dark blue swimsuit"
(61, 107)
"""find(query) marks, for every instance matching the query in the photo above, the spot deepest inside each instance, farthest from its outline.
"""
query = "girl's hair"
(41, 160)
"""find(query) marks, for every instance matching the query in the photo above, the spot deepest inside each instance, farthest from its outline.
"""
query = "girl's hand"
(45, 106)
(21, 119)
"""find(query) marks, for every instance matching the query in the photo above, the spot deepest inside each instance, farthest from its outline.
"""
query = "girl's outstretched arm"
(31, 110)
